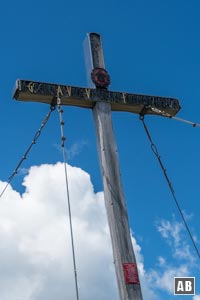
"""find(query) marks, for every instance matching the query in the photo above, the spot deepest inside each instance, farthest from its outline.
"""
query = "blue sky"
(150, 47)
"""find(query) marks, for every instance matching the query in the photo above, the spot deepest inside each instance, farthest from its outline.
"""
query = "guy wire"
(34, 140)
(155, 151)
(60, 111)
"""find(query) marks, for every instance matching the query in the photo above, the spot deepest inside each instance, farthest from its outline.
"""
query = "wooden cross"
(102, 102)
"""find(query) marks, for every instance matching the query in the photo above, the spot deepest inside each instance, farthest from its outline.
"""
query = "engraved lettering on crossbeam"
(87, 93)
(31, 86)
(59, 91)
(119, 100)
(124, 97)
(69, 90)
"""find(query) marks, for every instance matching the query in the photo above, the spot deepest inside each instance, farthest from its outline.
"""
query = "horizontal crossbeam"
(87, 97)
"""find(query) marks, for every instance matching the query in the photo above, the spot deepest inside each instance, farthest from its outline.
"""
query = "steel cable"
(60, 111)
(34, 140)
(155, 151)
(167, 115)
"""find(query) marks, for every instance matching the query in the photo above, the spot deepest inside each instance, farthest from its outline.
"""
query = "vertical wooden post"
(113, 192)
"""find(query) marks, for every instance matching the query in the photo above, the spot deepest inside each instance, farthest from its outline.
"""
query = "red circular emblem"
(101, 78)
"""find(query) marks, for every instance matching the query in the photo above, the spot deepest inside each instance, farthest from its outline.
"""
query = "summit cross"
(103, 102)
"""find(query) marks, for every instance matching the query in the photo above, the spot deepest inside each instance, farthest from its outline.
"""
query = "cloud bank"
(35, 249)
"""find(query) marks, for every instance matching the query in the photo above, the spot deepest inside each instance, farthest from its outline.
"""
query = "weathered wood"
(102, 102)
(113, 190)
(87, 97)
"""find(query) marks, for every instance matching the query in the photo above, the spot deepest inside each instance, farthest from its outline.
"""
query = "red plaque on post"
(131, 273)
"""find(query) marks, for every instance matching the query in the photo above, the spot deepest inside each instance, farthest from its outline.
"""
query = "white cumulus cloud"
(35, 249)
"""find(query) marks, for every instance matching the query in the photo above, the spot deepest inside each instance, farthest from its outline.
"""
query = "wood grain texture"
(115, 200)
(113, 190)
